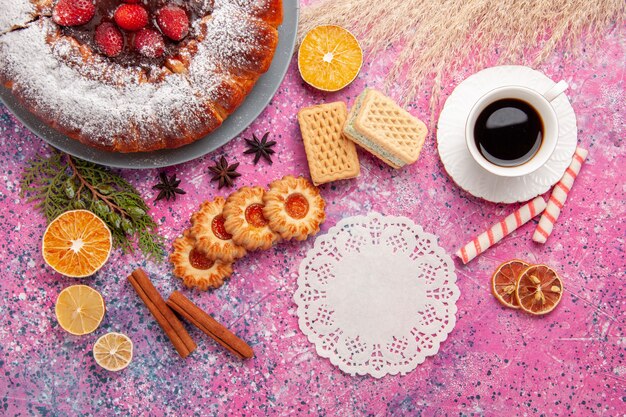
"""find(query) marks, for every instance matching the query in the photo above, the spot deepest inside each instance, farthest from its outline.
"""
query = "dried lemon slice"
(79, 309)
(113, 351)
(504, 282)
(329, 58)
(539, 289)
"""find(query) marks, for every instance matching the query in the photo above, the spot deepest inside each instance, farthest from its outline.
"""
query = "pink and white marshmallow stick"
(499, 230)
(558, 197)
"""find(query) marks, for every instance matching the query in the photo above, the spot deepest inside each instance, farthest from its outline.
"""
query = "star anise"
(260, 148)
(168, 187)
(224, 173)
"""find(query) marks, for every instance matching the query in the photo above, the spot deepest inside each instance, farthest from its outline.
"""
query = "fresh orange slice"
(113, 351)
(329, 58)
(77, 243)
(504, 281)
(79, 309)
(539, 289)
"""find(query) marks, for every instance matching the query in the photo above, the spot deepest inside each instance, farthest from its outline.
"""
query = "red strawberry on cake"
(149, 43)
(173, 22)
(73, 12)
(109, 39)
(131, 17)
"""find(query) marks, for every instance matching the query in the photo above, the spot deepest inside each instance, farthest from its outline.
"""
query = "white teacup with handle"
(540, 102)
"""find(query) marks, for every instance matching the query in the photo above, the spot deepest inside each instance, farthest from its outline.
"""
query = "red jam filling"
(217, 226)
(254, 215)
(199, 260)
(297, 206)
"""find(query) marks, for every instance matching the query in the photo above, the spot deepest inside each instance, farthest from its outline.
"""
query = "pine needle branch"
(59, 183)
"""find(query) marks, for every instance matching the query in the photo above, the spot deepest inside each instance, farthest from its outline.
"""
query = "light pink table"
(495, 362)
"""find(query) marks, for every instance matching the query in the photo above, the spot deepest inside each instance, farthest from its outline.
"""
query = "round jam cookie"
(245, 221)
(195, 268)
(207, 227)
(294, 208)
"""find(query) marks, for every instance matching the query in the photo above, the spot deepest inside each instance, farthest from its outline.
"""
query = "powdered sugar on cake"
(130, 108)
(15, 14)
(100, 110)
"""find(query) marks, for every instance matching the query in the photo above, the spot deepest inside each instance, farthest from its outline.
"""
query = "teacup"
(512, 131)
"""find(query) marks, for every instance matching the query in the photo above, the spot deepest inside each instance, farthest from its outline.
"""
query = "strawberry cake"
(135, 75)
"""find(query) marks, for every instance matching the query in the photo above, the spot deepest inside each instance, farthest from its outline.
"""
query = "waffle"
(385, 129)
(330, 155)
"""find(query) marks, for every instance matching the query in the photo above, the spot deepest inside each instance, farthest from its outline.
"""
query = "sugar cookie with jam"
(244, 220)
(195, 268)
(294, 208)
(207, 227)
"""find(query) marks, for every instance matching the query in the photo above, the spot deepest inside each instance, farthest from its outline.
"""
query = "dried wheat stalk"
(437, 38)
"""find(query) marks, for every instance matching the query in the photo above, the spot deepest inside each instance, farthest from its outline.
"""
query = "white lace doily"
(376, 295)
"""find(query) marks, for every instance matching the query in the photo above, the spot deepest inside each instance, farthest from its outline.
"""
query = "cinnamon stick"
(191, 312)
(168, 321)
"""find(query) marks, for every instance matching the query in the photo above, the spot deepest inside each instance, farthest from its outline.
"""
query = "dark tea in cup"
(508, 132)
(513, 130)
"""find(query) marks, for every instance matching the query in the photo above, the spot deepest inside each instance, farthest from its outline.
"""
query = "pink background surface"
(496, 361)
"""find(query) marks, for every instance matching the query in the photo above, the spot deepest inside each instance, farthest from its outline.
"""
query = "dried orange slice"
(77, 243)
(79, 309)
(329, 58)
(539, 289)
(504, 281)
(113, 351)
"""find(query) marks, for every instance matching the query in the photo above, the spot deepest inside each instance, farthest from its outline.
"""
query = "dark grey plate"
(254, 104)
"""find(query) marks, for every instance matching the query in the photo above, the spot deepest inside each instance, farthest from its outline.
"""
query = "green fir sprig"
(59, 183)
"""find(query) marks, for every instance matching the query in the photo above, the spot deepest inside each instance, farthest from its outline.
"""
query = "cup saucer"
(466, 172)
